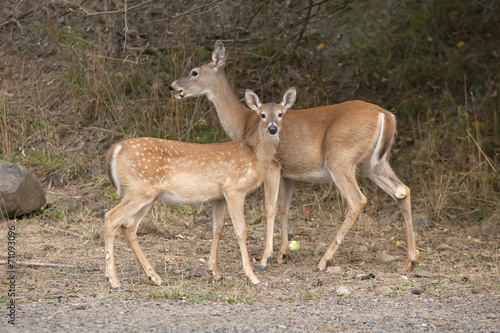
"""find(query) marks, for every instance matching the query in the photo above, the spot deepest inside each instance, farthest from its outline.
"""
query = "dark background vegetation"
(76, 76)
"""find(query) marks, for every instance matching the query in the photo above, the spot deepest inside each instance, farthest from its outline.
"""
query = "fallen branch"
(34, 264)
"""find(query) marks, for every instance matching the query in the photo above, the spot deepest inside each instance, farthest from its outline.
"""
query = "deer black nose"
(171, 88)
(272, 129)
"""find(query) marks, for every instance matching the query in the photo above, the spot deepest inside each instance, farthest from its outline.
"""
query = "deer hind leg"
(129, 229)
(356, 201)
(218, 213)
(285, 199)
(235, 207)
(271, 186)
(114, 219)
(382, 174)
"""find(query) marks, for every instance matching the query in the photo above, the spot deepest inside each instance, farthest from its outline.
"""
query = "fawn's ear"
(252, 100)
(219, 54)
(289, 98)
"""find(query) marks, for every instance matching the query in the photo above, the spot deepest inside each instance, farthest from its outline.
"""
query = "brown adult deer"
(149, 169)
(323, 144)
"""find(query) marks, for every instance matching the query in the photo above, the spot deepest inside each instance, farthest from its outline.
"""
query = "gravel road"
(476, 313)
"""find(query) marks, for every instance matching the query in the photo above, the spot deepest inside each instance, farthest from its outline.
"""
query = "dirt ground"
(455, 287)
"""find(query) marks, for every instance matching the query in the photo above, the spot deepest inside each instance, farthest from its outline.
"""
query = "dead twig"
(34, 264)
(16, 21)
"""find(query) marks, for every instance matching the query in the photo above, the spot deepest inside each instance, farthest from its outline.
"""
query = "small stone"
(256, 235)
(388, 218)
(368, 277)
(385, 258)
(473, 231)
(362, 249)
(443, 247)
(385, 290)
(197, 272)
(343, 291)
(420, 273)
(88, 269)
(335, 270)
(422, 221)
(68, 204)
(416, 291)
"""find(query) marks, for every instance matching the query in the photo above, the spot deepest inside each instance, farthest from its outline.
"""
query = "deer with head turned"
(149, 169)
(323, 144)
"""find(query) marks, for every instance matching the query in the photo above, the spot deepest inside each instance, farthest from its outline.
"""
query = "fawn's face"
(271, 114)
(271, 118)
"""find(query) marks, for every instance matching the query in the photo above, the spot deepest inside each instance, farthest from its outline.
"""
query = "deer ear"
(219, 54)
(289, 98)
(252, 100)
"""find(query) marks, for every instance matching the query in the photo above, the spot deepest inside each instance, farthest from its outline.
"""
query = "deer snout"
(272, 129)
(178, 92)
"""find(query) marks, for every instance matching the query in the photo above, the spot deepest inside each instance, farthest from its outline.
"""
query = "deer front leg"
(218, 215)
(271, 186)
(285, 199)
(235, 206)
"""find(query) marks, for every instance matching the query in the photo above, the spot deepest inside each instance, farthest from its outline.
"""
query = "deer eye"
(280, 114)
(194, 73)
(263, 115)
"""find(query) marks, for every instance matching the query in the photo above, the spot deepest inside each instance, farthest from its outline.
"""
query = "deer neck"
(264, 149)
(232, 114)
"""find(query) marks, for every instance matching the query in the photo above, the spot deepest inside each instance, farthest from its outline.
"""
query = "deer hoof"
(410, 265)
(261, 286)
(259, 268)
(119, 288)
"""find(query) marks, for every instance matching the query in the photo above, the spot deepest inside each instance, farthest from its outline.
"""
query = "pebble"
(335, 270)
(385, 258)
(343, 291)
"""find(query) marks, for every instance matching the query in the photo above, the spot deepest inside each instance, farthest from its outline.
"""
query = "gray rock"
(443, 247)
(473, 231)
(388, 218)
(386, 290)
(20, 192)
(385, 258)
(256, 235)
(343, 291)
(422, 221)
(420, 273)
(69, 204)
(335, 270)
(491, 226)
